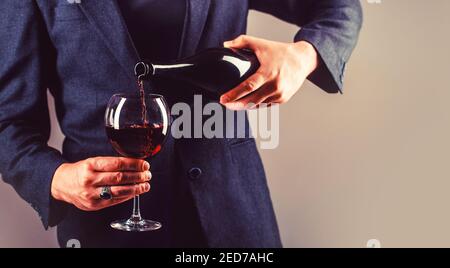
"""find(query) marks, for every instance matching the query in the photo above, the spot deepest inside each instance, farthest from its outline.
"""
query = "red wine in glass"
(137, 141)
(137, 126)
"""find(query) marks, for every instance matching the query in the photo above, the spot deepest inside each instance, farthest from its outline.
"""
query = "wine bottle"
(214, 70)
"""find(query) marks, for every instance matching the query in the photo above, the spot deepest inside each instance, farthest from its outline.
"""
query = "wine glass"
(137, 127)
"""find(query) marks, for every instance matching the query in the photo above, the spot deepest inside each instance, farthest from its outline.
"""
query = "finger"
(270, 100)
(121, 178)
(101, 204)
(110, 164)
(252, 100)
(115, 201)
(125, 191)
(265, 104)
(129, 190)
(253, 83)
(244, 41)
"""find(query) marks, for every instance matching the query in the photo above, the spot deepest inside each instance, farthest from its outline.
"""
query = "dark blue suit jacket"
(83, 54)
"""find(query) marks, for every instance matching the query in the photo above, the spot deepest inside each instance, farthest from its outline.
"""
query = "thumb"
(243, 41)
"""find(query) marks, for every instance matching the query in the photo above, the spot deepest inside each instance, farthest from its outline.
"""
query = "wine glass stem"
(136, 216)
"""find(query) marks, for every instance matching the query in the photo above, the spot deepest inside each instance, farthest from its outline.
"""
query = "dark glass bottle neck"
(142, 70)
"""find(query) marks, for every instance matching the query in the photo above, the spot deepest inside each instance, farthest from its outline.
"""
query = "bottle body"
(213, 71)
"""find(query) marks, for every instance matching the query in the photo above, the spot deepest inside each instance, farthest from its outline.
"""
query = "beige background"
(372, 163)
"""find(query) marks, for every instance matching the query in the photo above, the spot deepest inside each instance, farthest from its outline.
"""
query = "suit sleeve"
(331, 26)
(26, 161)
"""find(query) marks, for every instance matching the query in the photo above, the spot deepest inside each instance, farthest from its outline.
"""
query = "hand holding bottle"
(284, 68)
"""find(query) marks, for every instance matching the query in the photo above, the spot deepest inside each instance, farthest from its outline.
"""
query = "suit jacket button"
(195, 173)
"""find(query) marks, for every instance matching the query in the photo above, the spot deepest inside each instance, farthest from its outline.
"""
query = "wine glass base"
(132, 225)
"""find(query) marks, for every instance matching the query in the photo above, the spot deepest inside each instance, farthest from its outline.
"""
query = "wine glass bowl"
(137, 127)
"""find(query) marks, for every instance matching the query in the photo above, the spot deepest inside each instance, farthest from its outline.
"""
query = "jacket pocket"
(237, 142)
(242, 149)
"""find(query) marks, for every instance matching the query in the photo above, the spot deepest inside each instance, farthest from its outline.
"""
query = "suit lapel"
(196, 16)
(106, 17)
(108, 22)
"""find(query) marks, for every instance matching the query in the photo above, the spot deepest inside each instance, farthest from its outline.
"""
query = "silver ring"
(106, 194)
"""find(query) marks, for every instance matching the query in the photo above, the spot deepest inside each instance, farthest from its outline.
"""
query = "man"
(207, 192)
